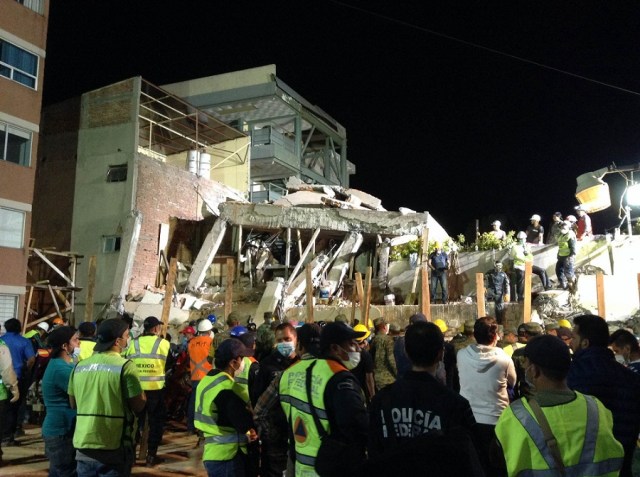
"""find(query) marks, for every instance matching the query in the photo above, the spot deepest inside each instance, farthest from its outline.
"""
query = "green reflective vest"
(86, 349)
(104, 420)
(520, 254)
(149, 354)
(220, 442)
(241, 384)
(582, 428)
(296, 406)
(564, 249)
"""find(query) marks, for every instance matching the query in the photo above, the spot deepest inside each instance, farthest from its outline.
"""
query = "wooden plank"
(168, 295)
(367, 302)
(53, 267)
(303, 255)
(28, 310)
(360, 289)
(425, 296)
(91, 287)
(526, 312)
(602, 308)
(480, 305)
(287, 254)
(354, 302)
(238, 261)
(55, 301)
(228, 291)
(309, 292)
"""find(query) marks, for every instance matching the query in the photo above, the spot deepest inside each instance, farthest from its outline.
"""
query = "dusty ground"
(178, 448)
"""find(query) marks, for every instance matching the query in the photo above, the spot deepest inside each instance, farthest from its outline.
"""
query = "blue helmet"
(238, 331)
(212, 318)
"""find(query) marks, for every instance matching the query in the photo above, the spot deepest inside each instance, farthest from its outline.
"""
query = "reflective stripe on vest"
(150, 364)
(221, 442)
(241, 384)
(585, 465)
(563, 244)
(199, 365)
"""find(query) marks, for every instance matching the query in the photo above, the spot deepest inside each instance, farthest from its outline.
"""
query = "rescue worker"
(584, 224)
(566, 256)
(497, 232)
(242, 379)
(221, 414)
(87, 332)
(232, 321)
(199, 364)
(520, 253)
(523, 387)
(554, 229)
(338, 413)
(535, 231)
(498, 286)
(105, 390)
(562, 432)
(439, 265)
(38, 335)
(149, 353)
(385, 370)
(9, 390)
(510, 342)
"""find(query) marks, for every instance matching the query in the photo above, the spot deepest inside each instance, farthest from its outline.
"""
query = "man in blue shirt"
(22, 357)
(439, 264)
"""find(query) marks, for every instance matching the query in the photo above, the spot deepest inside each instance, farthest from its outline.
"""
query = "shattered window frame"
(117, 173)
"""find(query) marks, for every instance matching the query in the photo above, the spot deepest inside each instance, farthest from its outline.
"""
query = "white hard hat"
(580, 208)
(496, 222)
(521, 235)
(43, 326)
(571, 218)
(204, 325)
(535, 217)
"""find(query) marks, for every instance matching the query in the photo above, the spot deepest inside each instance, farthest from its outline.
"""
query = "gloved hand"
(15, 394)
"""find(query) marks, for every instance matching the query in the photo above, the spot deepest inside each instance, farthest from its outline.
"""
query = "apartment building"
(23, 35)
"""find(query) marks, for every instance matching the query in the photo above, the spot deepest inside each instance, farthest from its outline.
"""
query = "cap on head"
(341, 318)
(379, 321)
(533, 328)
(548, 352)
(108, 332)
(150, 322)
(498, 265)
(417, 318)
(535, 217)
(551, 326)
(337, 333)
(571, 218)
(557, 214)
(230, 349)
(469, 325)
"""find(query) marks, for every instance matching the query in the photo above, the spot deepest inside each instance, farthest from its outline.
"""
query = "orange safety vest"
(198, 353)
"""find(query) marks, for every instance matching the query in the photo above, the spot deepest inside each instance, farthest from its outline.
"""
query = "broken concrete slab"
(350, 246)
(270, 298)
(298, 286)
(152, 298)
(341, 204)
(367, 200)
(342, 220)
(207, 253)
(300, 198)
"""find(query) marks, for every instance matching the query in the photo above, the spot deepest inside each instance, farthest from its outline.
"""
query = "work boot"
(153, 460)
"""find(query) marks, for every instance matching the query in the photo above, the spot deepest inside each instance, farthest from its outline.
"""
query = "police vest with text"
(221, 442)
(149, 354)
(241, 385)
(296, 406)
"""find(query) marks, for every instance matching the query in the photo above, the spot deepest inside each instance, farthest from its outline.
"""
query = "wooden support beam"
(354, 302)
(91, 287)
(526, 312)
(55, 269)
(168, 294)
(639, 287)
(360, 289)
(602, 309)
(303, 255)
(480, 305)
(287, 255)
(27, 310)
(367, 300)
(309, 292)
(425, 296)
(55, 301)
(228, 291)
(239, 253)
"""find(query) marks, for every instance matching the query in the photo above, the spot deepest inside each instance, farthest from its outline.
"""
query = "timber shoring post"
(480, 305)
(526, 309)
(168, 295)
(602, 307)
(91, 288)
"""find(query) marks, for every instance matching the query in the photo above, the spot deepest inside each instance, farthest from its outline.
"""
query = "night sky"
(432, 123)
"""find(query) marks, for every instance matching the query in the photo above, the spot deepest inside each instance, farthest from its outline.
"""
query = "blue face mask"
(286, 348)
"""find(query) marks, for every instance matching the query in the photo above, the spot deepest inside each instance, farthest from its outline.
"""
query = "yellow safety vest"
(86, 349)
(104, 420)
(149, 354)
(220, 443)
(563, 243)
(241, 385)
(296, 406)
(510, 348)
(520, 254)
(582, 428)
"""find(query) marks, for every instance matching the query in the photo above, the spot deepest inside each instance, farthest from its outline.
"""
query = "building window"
(117, 173)
(15, 144)
(111, 243)
(35, 5)
(8, 307)
(11, 228)
(18, 64)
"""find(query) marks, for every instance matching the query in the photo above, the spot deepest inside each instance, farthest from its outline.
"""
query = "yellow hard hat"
(360, 328)
(564, 323)
(441, 324)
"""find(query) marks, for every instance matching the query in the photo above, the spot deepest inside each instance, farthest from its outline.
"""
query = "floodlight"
(592, 192)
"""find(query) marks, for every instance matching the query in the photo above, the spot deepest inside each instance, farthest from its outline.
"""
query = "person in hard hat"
(105, 390)
(572, 222)
(364, 371)
(57, 428)
(558, 431)
(566, 256)
(199, 349)
(87, 334)
(554, 229)
(149, 353)
(498, 289)
(535, 231)
(324, 391)
(496, 231)
(439, 265)
(58, 321)
(584, 232)
(414, 419)
(38, 335)
(520, 254)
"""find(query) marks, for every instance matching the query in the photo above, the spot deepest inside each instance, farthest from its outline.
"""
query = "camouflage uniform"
(385, 370)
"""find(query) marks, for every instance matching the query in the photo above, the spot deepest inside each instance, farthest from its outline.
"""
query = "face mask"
(620, 359)
(352, 361)
(286, 348)
(76, 353)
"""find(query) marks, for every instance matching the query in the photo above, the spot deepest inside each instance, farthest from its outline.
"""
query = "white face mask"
(352, 361)
(286, 348)
(76, 353)
(620, 359)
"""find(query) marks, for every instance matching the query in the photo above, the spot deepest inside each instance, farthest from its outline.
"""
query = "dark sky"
(432, 123)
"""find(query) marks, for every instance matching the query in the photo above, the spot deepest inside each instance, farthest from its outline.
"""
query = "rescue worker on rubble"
(535, 231)
(221, 414)
(38, 335)
(561, 432)
(439, 265)
(585, 231)
(87, 334)
(566, 256)
(497, 232)
(520, 254)
(498, 287)
(199, 364)
(149, 353)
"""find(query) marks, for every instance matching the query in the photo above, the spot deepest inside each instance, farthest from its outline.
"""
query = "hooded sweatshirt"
(485, 372)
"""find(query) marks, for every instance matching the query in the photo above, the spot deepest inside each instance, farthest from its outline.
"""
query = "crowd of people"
(333, 398)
